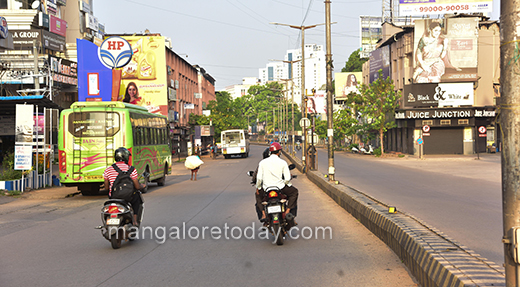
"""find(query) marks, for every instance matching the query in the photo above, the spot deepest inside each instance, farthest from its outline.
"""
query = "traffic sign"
(305, 122)
(482, 132)
(426, 128)
(420, 141)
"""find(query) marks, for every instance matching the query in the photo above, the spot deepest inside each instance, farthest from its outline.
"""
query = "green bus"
(90, 132)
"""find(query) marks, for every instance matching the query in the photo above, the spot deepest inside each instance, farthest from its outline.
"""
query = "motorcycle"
(369, 151)
(275, 204)
(298, 146)
(117, 218)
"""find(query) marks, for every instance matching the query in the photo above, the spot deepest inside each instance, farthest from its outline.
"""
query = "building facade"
(448, 74)
(291, 68)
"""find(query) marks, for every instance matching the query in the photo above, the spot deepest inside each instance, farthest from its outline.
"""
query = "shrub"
(377, 152)
(8, 172)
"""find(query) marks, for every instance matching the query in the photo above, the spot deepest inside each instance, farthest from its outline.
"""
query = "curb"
(433, 258)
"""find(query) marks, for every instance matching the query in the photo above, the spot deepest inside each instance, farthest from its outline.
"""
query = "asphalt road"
(49, 240)
(460, 196)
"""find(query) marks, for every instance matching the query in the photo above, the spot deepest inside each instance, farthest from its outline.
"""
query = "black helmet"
(122, 154)
(266, 153)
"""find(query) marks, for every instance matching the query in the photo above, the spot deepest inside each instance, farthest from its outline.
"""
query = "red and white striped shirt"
(111, 174)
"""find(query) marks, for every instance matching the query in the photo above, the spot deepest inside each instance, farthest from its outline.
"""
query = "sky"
(233, 39)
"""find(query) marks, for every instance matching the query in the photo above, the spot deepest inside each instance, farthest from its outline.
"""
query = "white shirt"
(270, 171)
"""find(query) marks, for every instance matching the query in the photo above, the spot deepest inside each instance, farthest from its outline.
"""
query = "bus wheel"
(146, 181)
(162, 180)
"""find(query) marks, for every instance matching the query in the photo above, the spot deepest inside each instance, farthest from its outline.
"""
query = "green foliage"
(8, 172)
(354, 64)
(256, 106)
(377, 152)
(374, 107)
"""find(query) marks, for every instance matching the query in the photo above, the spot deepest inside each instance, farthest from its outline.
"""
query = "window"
(464, 122)
(94, 124)
(445, 122)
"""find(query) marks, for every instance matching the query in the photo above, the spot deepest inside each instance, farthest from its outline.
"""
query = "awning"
(8, 104)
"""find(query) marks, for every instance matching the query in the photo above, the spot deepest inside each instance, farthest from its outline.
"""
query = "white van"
(235, 142)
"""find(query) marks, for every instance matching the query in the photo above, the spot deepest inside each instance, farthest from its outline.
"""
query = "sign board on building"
(445, 50)
(91, 22)
(428, 7)
(4, 32)
(58, 26)
(24, 39)
(115, 52)
(443, 113)
(482, 131)
(439, 95)
(84, 6)
(189, 106)
(43, 20)
(380, 60)
(64, 71)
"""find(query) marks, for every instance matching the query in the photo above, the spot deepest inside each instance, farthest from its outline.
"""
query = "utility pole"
(303, 94)
(509, 118)
(330, 101)
(36, 72)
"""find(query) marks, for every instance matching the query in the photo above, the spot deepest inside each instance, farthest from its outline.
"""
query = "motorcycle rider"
(121, 157)
(259, 195)
(274, 171)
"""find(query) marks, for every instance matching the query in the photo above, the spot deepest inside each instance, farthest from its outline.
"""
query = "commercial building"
(447, 71)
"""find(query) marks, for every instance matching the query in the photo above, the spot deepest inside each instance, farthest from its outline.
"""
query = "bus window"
(92, 124)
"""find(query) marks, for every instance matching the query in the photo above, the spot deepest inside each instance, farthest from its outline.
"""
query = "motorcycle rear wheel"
(116, 240)
(278, 233)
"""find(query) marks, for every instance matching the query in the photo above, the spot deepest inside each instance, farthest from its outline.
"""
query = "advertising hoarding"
(439, 95)
(24, 125)
(317, 103)
(147, 72)
(445, 50)
(427, 7)
(347, 83)
(380, 60)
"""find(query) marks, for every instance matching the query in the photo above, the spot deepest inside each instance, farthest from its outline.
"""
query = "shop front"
(443, 130)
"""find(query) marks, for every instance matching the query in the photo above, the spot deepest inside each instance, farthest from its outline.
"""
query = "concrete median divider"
(432, 257)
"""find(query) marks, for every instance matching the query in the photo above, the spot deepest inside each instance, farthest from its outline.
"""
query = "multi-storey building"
(291, 68)
(447, 71)
(237, 91)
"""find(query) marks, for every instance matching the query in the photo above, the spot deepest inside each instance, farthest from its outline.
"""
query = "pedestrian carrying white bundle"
(192, 162)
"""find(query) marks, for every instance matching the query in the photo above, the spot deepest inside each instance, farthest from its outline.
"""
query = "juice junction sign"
(443, 114)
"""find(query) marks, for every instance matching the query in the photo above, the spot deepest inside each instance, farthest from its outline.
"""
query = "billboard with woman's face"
(347, 83)
(445, 50)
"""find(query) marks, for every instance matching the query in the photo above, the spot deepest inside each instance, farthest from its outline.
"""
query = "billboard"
(445, 50)
(347, 83)
(317, 103)
(146, 73)
(439, 95)
(380, 60)
(427, 7)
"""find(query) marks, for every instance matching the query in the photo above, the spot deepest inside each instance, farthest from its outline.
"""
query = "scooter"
(369, 151)
(354, 149)
(117, 218)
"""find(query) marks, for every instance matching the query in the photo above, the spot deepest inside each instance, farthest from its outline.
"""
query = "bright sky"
(232, 39)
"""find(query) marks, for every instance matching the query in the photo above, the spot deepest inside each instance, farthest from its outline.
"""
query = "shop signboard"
(439, 95)
(64, 71)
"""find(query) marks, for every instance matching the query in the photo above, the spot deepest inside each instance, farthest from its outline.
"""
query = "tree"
(375, 103)
(354, 63)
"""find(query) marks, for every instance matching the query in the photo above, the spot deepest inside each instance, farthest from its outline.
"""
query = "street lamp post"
(330, 110)
(292, 98)
(302, 29)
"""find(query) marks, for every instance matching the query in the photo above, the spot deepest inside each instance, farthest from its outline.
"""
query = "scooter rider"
(274, 171)
(121, 157)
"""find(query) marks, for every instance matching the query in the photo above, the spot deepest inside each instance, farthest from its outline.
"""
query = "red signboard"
(58, 26)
